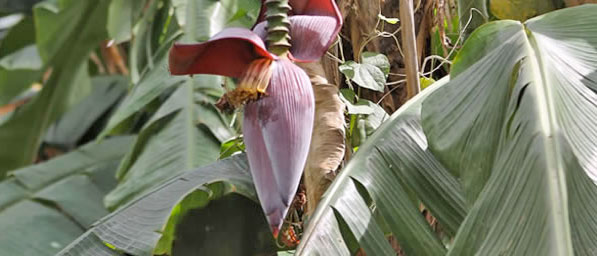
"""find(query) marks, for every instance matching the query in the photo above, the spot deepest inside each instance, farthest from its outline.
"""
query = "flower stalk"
(278, 24)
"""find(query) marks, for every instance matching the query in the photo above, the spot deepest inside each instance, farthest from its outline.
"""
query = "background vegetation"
(102, 152)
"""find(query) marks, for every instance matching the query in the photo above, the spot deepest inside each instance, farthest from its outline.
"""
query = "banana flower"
(276, 94)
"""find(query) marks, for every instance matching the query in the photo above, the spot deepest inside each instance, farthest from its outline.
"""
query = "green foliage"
(70, 129)
(393, 163)
(46, 206)
(247, 233)
(212, 197)
(120, 19)
(168, 144)
(365, 116)
(499, 154)
(232, 147)
(65, 34)
(370, 73)
(17, 72)
(202, 19)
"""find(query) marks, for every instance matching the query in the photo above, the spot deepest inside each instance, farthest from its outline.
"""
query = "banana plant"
(501, 154)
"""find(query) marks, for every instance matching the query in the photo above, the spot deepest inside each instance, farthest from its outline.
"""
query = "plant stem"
(409, 44)
(278, 24)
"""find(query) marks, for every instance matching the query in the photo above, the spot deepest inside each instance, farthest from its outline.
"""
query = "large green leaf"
(211, 197)
(46, 206)
(391, 165)
(66, 31)
(519, 128)
(516, 126)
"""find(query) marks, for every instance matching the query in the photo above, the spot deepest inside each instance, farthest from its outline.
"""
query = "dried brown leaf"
(327, 143)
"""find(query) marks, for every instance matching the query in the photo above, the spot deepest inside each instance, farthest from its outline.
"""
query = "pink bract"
(228, 53)
(277, 134)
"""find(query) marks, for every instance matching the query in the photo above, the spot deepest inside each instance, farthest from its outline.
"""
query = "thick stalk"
(409, 44)
(278, 38)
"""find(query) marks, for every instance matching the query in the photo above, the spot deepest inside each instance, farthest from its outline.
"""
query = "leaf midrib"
(555, 174)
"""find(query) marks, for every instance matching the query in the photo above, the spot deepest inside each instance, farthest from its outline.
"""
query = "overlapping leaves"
(66, 32)
(46, 206)
(215, 194)
(515, 129)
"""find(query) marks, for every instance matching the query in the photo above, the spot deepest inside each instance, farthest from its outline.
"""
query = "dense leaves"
(499, 158)
(82, 25)
(507, 129)
(46, 206)
(208, 196)
(393, 163)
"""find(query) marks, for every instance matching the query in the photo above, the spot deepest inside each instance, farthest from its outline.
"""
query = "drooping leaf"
(46, 206)
(65, 36)
(132, 228)
(361, 107)
(393, 162)
(70, 128)
(518, 126)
